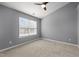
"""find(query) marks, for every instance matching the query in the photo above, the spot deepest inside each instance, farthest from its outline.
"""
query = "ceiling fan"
(43, 5)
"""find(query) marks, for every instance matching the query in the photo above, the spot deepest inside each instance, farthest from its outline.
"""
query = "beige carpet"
(42, 48)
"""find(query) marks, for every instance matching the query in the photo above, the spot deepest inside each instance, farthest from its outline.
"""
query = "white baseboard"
(2, 50)
(61, 42)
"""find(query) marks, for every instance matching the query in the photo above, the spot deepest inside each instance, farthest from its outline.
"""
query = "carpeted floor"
(42, 48)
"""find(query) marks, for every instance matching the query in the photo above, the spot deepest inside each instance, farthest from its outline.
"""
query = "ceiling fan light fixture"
(43, 5)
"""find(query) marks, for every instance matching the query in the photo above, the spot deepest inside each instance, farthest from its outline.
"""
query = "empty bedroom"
(39, 29)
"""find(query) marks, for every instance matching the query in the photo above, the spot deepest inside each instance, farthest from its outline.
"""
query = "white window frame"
(30, 27)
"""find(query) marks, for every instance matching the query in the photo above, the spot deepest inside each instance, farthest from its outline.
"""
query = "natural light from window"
(27, 27)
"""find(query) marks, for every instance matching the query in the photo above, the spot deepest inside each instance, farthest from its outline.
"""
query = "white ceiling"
(34, 10)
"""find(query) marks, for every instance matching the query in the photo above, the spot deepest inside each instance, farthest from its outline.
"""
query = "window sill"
(26, 35)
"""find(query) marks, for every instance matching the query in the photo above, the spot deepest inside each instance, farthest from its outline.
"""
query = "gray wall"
(9, 27)
(78, 23)
(62, 24)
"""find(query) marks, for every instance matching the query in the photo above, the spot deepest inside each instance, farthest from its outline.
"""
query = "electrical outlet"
(10, 42)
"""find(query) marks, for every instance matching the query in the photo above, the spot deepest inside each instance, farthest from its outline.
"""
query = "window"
(27, 27)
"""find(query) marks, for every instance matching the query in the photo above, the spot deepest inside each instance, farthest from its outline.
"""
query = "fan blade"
(37, 4)
(45, 8)
(41, 3)
(45, 3)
